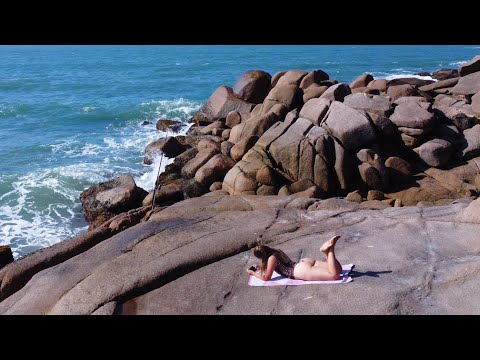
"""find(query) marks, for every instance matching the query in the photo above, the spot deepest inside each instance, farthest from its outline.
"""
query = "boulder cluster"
(388, 142)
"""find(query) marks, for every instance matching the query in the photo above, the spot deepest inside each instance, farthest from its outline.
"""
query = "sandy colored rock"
(198, 161)
(219, 104)
(216, 186)
(253, 86)
(398, 91)
(214, 169)
(241, 147)
(354, 196)
(379, 84)
(292, 77)
(313, 77)
(277, 77)
(375, 195)
(313, 92)
(361, 81)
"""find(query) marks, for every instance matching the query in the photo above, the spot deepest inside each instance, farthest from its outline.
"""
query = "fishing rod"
(159, 167)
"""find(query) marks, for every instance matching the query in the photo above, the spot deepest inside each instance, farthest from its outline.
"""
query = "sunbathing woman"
(306, 269)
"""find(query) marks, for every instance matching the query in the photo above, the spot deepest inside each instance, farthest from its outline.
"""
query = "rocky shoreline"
(284, 159)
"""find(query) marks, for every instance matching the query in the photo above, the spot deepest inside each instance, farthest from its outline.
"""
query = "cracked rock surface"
(190, 258)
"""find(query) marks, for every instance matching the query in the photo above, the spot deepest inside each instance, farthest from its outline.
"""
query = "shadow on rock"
(356, 274)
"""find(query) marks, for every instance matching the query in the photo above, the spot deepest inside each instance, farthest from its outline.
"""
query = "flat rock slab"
(191, 259)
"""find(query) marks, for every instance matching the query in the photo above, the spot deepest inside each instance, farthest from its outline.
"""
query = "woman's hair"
(263, 252)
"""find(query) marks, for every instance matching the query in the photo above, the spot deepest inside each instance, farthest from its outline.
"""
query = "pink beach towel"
(279, 280)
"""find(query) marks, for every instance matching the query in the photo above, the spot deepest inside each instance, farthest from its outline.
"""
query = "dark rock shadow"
(356, 274)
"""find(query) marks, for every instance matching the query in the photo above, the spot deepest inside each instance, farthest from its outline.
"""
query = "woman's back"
(285, 265)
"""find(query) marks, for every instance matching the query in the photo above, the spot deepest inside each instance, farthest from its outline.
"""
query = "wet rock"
(169, 125)
(6, 255)
(169, 146)
(444, 74)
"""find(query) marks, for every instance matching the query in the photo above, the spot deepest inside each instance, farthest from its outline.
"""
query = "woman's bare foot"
(328, 244)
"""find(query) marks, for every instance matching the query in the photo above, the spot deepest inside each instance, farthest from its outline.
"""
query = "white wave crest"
(390, 76)
(178, 109)
(88, 108)
(41, 208)
(457, 63)
(147, 180)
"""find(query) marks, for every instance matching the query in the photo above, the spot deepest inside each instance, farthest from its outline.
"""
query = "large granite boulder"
(412, 115)
(350, 126)
(440, 84)
(214, 170)
(361, 81)
(468, 85)
(313, 77)
(470, 66)
(398, 91)
(241, 147)
(202, 157)
(336, 92)
(219, 104)
(286, 149)
(253, 86)
(107, 199)
(288, 95)
(378, 84)
(277, 77)
(292, 77)
(255, 126)
(370, 103)
(313, 91)
(462, 116)
(315, 110)
(436, 152)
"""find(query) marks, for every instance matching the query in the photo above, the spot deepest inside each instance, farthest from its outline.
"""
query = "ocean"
(74, 116)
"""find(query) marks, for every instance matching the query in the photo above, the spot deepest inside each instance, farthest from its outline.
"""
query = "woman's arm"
(267, 275)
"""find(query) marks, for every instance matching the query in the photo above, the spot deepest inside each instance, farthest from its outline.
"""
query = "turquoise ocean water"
(71, 116)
